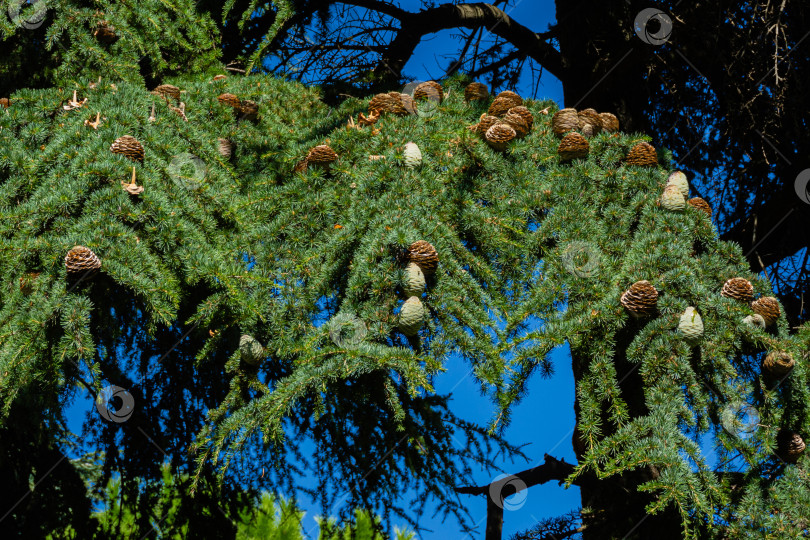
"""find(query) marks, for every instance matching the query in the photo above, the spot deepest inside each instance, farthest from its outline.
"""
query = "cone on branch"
(499, 136)
(167, 91)
(564, 121)
(81, 260)
(225, 147)
(391, 102)
(778, 364)
(789, 446)
(700, 204)
(251, 351)
(690, 325)
(424, 255)
(248, 110)
(589, 123)
(501, 105)
(754, 321)
(642, 154)
(508, 94)
(129, 147)
(230, 99)
(484, 123)
(573, 146)
(516, 122)
(739, 289)
(428, 90)
(322, 156)
(524, 113)
(609, 121)
(672, 199)
(678, 179)
(414, 280)
(411, 155)
(476, 91)
(641, 299)
(5, 102)
(411, 316)
(768, 308)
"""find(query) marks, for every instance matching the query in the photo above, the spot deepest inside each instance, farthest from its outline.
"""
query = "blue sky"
(544, 420)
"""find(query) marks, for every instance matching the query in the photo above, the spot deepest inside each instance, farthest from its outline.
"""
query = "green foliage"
(55, 43)
(214, 248)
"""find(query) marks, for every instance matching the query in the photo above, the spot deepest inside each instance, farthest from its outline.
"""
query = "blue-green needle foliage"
(256, 245)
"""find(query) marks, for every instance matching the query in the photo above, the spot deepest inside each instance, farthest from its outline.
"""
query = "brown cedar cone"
(322, 156)
(589, 123)
(219, 77)
(778, 364)
(230, 99)
(573, 146)
(609, 122)
(407, 106)
(499, 136)
(768, 308)
(563, 121)
(789, 445)
(516, 122)
(248, 110)
(379, 103)
(105, 33)
(392, 102)
(640, 299)
(80, 260)
(4, 102)
(128, 146)
(484, 123)
(167, 90)
(225, 147)
(428, 90)
(642, 154)
(739, 289)
(700, 204)
(500, 105)
(511, 95)
(476, 90)
(424, 255)
(524, 113)
(27, 282)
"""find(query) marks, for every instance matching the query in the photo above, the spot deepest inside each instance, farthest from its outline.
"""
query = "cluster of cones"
(506, 118)
(574, 128)
(423, 259)
(676, 195)
(641, 299)
(398, 104)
